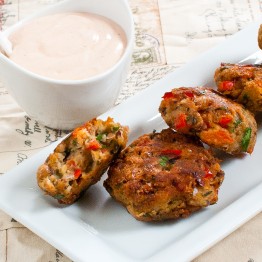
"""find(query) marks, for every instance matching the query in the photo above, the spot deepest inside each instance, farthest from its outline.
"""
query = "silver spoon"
(5, 44)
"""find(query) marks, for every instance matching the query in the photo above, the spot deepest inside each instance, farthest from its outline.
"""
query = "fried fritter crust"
(164, 176)
(216, 120)
(259, 37)
(80, 160)
(242, 83)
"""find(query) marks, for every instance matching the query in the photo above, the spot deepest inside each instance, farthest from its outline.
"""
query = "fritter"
(216, 120)
(80, 160)
(259, 37)
(163, 176)
(242, 83)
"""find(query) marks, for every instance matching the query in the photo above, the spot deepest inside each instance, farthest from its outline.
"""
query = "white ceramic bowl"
(65, 104)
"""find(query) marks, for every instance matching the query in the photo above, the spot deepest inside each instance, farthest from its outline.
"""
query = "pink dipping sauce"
(68, 46)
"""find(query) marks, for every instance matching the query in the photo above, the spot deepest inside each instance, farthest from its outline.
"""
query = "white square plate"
(96, 228)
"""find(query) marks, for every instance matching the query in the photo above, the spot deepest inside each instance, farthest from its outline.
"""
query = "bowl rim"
(91, 79)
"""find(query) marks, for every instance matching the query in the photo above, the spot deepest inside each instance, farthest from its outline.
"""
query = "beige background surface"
(168, 34)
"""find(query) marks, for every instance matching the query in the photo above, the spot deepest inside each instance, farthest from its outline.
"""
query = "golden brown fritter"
(216, 120)
(259, 37)
(80, 160)
(164, 176)
(242, 83)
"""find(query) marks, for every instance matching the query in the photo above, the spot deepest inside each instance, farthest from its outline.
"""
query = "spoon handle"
(5, 44)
